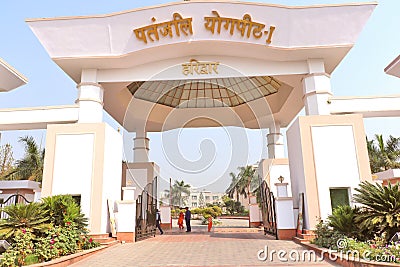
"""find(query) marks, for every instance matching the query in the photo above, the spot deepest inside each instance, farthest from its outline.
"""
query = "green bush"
(21, 248)
(381, 208)
(63, 209)
(20, 216)
(375, 250)
(327, 237)
(204, 221)
(233, 206)
(344, 220)
(44, 231)
(87, 242)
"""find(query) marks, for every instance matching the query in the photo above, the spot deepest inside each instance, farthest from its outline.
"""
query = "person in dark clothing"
(158, 221)
(188, 215)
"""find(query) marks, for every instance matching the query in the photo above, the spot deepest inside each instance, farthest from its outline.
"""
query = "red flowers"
(52, 241)
(90, 240)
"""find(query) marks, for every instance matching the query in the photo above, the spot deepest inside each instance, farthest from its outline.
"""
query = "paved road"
(198, 249)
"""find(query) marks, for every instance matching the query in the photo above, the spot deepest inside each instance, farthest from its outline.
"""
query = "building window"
(215, 197)
(194, 197)
(194, 204)
(339, 197)
(207, 198)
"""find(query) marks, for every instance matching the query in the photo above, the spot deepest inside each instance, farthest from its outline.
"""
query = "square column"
(84, 159)
(316, 89)
(126, 220)
(141, 147)
(326, 153)
(90, 98)
(275, 142)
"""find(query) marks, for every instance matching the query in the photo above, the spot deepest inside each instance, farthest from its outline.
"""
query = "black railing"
(12, 200)
(146, 205)
(268, 210)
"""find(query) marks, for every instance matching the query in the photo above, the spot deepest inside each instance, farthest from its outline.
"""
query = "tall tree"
(233, 187)
(6, 160)
(248, 180)
(383, 156)
(180, 191)
(201, 200)
(30, 167)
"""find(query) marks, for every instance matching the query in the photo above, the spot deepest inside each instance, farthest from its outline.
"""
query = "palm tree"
(380, 210)
(248, 180)
(179, 189)
(383, 156)
(32, 215)
(30, 167)
(233, 187)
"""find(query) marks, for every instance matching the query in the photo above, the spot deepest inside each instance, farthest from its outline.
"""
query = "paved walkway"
(198, 249)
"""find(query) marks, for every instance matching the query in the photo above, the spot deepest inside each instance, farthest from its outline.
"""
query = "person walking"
(180, 220)
(188, 215)
(210, 223)
(158, 221)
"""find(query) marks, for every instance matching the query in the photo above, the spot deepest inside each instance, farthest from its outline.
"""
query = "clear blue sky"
(360, 73)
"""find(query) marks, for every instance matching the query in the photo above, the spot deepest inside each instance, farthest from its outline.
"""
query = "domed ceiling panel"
(205, 93)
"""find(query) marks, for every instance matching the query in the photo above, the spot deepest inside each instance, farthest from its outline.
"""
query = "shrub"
(343, 220)
(204, 221)
(196, 211)
(381, 208)
(327, 237)
(234, 206)
(64, 239)
(63, 209)
(375, 250)
(21, 216)
(44, 231)
(87, 242)
(21, 248)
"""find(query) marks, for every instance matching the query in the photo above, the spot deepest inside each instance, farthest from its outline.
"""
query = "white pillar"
(275, 143)
(316, 89)
(128, 193)
(281, 189)
(90, 98)
(141, 147)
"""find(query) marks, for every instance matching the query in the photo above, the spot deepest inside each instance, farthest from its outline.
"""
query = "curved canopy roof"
(137, 56)
(205, 93)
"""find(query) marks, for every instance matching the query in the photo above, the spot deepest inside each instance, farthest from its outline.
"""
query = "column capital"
(79, 85)
(316, 65)
(316, 92)
(90, 100)
(316, 74)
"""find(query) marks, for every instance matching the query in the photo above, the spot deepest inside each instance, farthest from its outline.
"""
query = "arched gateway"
(224, 63)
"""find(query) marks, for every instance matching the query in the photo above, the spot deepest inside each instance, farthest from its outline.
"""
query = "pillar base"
(286, 234)
(166, 226)
(128, 237)
(254, 224)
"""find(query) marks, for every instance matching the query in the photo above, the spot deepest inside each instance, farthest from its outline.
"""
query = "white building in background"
(199, 199)
(196, 198)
